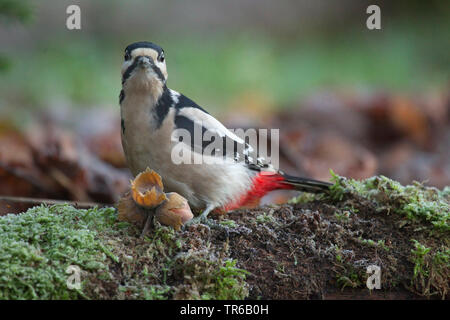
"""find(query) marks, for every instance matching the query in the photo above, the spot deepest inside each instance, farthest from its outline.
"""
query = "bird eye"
(127, 56)
(161, 57)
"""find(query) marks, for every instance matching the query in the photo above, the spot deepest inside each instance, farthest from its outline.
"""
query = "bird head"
(144, 67)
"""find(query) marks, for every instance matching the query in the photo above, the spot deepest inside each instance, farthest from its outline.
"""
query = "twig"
(148, 222)
(52, 201)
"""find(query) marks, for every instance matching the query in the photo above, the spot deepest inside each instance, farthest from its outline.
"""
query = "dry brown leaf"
(409, 119)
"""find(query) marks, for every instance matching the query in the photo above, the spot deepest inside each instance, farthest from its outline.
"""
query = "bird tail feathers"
(306, 184)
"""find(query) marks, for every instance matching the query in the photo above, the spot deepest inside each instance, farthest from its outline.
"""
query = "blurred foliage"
(87, 71)
(15, 10)
(5, 64)
(12, 10)
(218, 68)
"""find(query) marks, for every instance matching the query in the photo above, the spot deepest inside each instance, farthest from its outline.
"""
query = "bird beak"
(144, 61)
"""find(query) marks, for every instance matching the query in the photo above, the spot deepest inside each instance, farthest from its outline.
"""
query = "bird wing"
(208, 122)
(191, 117)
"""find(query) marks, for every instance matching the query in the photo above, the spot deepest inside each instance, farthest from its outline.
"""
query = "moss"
(227, 223)
(351, 280)
(298, 250)
(415, 202)
(228, 282)
(36, 248)
(376, 244)
(419, 259)
(425, 210)
(304, 198)
(265, 218)
(431, 269)
(342, 216)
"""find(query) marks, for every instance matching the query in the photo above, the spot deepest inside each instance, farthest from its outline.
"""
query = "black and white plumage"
(152, 114)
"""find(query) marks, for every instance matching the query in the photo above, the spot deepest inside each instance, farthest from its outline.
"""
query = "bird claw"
(201, 219)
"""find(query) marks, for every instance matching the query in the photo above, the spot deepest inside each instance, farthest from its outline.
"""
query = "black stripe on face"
(129, 70)
(135, 64)
(158, 72)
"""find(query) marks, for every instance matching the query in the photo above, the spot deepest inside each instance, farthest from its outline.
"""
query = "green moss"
(228, 223)
(416, 202)
(419, 254)
(342, 216)
(425, 209)
(351, 280)
(431, 269)
(229, 283)
(346, 274)
(265, 218)
(36, 248)
(304, 198)
(371, 243)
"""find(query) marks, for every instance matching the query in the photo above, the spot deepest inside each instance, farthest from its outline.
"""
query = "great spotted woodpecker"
(151, 113)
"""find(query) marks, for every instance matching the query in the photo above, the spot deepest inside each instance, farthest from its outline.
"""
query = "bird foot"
(201, 219)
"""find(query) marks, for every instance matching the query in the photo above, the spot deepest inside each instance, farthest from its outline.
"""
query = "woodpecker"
(151, 113)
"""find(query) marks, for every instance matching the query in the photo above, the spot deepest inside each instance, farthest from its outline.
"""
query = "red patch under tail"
(263, 183)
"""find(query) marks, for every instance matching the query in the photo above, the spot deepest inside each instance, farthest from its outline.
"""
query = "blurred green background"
(220, 51)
